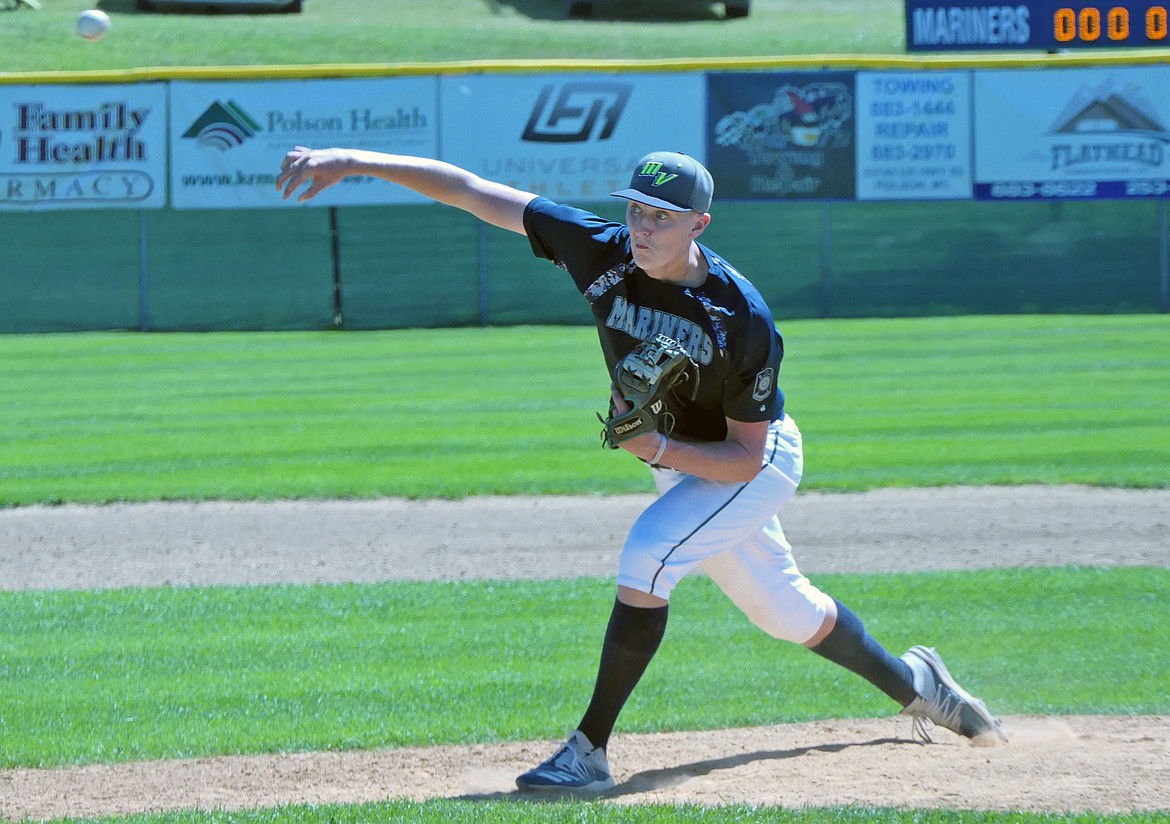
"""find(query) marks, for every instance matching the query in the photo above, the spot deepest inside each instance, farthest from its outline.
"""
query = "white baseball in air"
(93, 24)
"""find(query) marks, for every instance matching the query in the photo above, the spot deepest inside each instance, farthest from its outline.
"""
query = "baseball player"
(725, 453)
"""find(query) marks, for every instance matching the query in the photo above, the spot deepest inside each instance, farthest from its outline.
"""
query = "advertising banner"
(570, 137)
(782, 136)
(83, 147)
(913, 135)
(228, 138)
(1075, 133)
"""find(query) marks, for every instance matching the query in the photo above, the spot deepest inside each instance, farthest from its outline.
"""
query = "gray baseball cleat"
(942, 701)
(577, 767)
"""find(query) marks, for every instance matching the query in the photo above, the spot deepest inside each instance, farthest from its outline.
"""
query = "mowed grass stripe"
(155, 673)
(456, 412)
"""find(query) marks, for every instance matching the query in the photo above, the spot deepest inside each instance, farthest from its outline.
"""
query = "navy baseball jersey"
(724, 324)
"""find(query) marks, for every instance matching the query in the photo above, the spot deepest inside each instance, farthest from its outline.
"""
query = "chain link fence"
(426, 266)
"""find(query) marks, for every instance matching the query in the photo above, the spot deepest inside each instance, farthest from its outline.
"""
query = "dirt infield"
(1056, 764)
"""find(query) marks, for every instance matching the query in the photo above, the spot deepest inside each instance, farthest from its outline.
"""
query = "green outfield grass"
(450, 413)
(167, 673)
(392, 31)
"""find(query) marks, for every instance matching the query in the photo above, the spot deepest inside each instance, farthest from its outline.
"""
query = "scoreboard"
(1038, 24)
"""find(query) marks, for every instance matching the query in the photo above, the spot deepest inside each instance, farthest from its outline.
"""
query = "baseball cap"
(672, 181)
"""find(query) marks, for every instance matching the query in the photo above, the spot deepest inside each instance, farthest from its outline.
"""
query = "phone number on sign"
(919, 152)
(1050, 188)
(1147, 188)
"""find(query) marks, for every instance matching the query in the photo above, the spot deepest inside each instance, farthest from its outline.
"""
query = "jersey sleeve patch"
(765, 379)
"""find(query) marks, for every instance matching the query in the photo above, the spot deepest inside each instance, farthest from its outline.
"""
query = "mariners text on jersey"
(644, 323)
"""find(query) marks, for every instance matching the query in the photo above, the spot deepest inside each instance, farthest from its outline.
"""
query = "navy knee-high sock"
(631, 639)
(850, 646)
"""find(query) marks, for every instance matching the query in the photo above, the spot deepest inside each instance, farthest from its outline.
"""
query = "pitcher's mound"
(1051, 764)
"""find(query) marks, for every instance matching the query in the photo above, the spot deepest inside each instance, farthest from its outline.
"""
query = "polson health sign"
(1038, 24)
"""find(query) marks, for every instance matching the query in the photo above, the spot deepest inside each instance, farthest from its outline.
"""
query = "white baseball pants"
(732, 531)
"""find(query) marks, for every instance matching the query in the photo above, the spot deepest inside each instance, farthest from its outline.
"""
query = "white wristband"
(661, 449)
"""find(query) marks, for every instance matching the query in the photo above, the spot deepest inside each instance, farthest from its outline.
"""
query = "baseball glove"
(644, 377)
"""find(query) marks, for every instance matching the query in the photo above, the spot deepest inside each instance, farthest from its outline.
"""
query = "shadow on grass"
(209, 8)
(116, 6)
(645, 11)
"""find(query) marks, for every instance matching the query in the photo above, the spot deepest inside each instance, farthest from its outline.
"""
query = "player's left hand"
(640, 446)
(620, 407)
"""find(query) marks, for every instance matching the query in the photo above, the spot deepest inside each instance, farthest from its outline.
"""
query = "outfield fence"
(429, 265)
(846, 188)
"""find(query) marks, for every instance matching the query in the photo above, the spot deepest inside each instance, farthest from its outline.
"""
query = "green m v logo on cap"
(654, 169)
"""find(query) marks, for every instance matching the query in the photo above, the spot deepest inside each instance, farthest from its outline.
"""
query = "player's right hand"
(320, 167)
